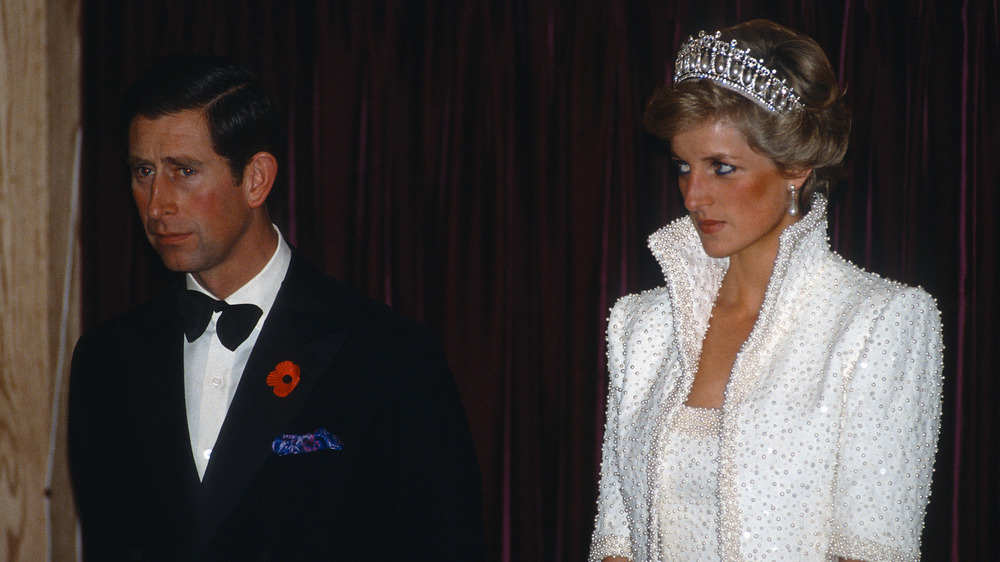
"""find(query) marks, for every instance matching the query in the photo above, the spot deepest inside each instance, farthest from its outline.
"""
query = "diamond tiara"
(706, 56)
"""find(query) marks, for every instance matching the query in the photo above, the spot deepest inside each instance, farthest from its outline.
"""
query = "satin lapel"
(155, 351)
(257, 416)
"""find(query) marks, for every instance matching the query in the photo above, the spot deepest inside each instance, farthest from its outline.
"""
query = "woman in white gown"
(771, 401)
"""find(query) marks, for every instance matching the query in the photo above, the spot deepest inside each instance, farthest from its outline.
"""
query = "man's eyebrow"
(183, 161)
(135, 161)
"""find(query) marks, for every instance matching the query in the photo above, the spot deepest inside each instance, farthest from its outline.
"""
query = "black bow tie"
(234, 325)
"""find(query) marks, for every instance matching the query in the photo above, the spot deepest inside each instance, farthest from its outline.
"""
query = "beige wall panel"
(63, 89)
(39, 116)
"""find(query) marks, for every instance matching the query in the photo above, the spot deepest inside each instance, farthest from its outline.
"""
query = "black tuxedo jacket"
(405, 486)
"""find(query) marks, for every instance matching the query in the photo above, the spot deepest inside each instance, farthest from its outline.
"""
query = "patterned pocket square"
(293, 444)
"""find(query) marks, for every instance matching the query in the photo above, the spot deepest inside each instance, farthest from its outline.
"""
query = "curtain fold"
(481, 166)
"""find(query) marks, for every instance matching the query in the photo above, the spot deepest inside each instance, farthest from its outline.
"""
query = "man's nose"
(161, 198)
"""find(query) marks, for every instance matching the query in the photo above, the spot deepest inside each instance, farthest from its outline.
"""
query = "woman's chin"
(715, 250)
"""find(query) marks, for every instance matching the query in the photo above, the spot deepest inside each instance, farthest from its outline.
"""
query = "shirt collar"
(263, 288)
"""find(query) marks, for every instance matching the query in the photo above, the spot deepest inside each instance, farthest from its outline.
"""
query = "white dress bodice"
(689, 504)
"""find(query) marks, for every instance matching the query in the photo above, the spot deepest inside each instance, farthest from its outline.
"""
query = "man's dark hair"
(243, 118)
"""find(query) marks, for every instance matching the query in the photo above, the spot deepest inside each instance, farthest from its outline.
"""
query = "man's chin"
(174, 261)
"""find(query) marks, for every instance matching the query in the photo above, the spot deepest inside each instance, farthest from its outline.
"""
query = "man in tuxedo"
(261, 410)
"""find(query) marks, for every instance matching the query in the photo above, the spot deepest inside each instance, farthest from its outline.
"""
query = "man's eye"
(143, 171)
(186, 172)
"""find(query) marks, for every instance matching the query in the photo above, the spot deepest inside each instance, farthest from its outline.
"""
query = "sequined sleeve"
(611, 532)
(889, 433)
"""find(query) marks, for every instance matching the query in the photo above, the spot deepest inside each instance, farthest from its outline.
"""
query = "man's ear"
(258, 178)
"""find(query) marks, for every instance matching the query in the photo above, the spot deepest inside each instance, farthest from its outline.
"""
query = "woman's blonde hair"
(815, 137)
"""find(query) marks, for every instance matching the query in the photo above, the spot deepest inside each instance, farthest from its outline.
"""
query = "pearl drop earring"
(793, 207)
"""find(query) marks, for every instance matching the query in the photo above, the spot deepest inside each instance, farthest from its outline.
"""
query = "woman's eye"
(682, 168)
(722, 168)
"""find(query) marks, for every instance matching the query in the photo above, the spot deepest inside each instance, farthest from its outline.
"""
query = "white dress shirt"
(211, 371)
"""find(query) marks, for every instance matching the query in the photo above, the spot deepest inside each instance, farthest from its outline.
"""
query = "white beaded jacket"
(830, 418)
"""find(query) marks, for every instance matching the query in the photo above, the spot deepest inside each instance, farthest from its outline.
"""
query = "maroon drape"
(481, 166)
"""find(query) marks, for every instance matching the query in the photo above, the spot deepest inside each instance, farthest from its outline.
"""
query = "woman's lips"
(710, 226)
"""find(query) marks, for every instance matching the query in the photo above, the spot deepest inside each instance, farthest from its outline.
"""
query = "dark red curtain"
(481, 166)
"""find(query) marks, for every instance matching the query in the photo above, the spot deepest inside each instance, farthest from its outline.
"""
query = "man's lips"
(707, 226)
(170, 238)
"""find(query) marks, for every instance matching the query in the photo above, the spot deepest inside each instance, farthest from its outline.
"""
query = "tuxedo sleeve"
(98, 458)
(438, 509)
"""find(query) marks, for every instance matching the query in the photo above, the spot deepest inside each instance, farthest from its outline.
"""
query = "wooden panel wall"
(39, 118)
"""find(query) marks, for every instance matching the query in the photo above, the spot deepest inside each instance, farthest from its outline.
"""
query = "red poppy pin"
(284, 378)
